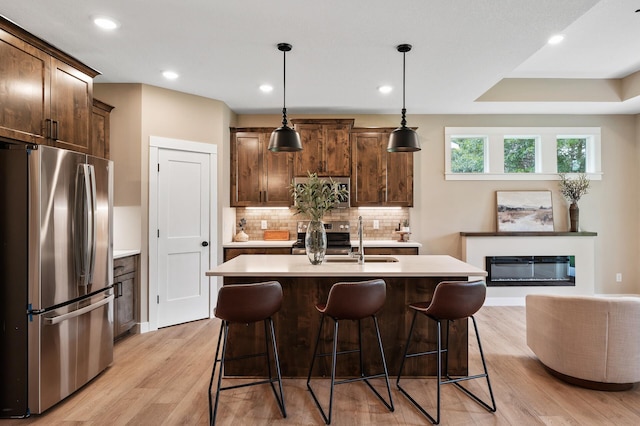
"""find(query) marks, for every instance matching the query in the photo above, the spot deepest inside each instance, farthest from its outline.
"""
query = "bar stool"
(247, 303)
(452, 300)
(351, 301)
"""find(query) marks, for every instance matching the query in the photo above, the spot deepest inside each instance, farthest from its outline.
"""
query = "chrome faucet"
(360, 248)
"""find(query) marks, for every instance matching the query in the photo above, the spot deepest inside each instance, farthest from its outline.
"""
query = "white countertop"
(258, 243)
(366, 243)
(117, 254)
(299, 266)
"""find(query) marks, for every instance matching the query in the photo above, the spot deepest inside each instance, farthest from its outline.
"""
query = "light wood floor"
(161, 378)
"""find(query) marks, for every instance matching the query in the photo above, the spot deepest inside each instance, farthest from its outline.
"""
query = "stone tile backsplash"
(285, 219)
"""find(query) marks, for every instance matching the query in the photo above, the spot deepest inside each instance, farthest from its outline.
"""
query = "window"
(572, 155)
(521, 153)
(467, 155)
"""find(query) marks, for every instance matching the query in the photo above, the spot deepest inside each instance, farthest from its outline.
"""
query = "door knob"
(205, 243)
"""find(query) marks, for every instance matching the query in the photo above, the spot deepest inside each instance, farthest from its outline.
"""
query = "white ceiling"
(343, 50)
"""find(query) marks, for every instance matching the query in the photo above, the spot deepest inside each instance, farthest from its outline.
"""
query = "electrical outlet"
(263, 224)
(619, 277)
(376, 224)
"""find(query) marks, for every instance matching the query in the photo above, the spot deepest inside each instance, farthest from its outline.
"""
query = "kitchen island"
(408, 278)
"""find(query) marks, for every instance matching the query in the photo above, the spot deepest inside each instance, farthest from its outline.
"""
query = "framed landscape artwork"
(524, 211)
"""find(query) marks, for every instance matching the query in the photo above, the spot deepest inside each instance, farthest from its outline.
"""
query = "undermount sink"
(367, 259)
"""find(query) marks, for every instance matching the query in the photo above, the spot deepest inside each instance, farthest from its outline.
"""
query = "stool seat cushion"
(454, 300)
(354, 300)
(246, 303)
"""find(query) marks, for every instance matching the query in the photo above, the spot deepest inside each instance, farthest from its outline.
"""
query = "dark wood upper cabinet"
(325, 147)
(100, 129)
(378, 177)
(46, 96)
(259, 177)
(71, 107)
(24, 90)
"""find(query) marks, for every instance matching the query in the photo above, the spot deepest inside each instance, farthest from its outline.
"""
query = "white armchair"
(589, 341)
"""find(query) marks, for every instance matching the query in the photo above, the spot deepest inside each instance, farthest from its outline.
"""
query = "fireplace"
(507, 271)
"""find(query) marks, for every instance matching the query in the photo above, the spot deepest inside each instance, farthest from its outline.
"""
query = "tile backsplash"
(285, 219)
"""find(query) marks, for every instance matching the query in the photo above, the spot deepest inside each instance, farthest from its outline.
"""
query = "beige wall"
(142, 111)
(445, 208)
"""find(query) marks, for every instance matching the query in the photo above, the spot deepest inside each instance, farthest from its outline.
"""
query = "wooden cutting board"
(276, 235)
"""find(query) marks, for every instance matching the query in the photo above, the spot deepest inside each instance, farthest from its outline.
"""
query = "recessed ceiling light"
(105, 23)
(170, 75)
(385, 89)
(556, 39)
(266, 88)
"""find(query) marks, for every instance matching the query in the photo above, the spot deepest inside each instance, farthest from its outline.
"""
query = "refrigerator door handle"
(93, 221)
(60, 318)
(84, 224)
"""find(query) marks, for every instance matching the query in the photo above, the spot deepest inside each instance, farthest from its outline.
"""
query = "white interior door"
(183, 236)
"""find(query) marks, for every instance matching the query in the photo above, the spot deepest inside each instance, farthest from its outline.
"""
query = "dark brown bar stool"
(247, 303)
(351, 301)
(452, 300)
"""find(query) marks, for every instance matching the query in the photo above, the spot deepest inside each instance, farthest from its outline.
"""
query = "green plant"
(242, 223)
(316, 197)
(574, 189)
(405, 223)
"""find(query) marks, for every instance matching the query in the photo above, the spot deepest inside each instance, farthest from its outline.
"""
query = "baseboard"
(504, 301)
(142, 327)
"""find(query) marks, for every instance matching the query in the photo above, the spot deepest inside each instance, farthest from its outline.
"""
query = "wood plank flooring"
(161, 378)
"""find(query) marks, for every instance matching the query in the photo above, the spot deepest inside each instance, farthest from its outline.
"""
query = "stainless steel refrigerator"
(56, 273)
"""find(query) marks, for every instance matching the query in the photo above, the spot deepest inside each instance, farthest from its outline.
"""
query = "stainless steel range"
(338, 239)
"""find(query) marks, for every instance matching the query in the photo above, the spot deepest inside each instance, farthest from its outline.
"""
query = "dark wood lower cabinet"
(298, 321)
(230, 253)
(125, 288)
(410, 251)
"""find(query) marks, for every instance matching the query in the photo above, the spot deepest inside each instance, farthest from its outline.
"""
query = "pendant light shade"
(284, 138)
(403, 139)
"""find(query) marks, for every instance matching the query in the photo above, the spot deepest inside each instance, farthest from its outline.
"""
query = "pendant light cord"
(284, 89)
(403, 123)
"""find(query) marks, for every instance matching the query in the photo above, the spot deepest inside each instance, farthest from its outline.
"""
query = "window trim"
(546, 155)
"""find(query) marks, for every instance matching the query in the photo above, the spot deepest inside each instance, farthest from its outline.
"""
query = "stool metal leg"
(224, 328)
(222, 339)
(488, 407)
(439, 375)
(325, 417)
(279, 399)
(363, 376)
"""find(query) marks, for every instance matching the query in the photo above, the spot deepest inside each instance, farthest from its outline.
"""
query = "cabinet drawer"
(124, 265)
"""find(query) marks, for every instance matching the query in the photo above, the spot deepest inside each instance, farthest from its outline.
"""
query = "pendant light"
(403, 139)
(284, 138)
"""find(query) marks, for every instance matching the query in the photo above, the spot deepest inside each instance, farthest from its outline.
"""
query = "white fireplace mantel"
(476, 246)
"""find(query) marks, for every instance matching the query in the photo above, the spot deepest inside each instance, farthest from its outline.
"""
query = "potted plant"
(573, 190)
(313, 199)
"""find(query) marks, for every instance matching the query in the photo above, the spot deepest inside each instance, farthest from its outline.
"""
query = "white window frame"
(546, 151)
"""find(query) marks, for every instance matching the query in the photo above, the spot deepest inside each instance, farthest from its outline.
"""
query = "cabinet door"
(399, 178)
(24, 90)
(379, 178)
(100, 133)
(337, 158)
(71, 107)
(246, 169)
(368, 170)
(278, 173)
(125, 313)
(309, 160)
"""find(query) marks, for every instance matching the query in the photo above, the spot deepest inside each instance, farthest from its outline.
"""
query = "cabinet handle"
(47, 128)
(55, 130)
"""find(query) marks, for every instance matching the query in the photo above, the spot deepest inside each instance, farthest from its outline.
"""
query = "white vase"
(241, 237)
